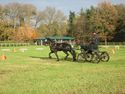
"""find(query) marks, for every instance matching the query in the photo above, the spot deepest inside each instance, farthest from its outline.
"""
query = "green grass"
(32, 72)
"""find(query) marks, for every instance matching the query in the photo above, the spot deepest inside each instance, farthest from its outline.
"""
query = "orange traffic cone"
(113, 51)
(3, 57)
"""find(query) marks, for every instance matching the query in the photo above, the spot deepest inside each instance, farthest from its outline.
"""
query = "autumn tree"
(53, 22)
(102, 19)
(6, 31)
(25, 34)
(107, 17)
(17, 16)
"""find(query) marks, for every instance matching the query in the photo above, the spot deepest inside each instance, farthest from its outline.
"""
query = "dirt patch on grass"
(3, 72)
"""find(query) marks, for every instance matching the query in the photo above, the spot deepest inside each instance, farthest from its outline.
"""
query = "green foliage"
(81, 25)
(71, 24)
(120, 25)
(92, 17)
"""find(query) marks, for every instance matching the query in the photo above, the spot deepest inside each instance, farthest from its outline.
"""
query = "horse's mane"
(49, 39)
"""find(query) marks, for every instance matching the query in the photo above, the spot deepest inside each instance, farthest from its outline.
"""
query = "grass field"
(32, 72)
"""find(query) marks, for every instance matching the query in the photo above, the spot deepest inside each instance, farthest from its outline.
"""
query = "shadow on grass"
(40, 57)
(62, 59)
(53, 58)
(2, 72)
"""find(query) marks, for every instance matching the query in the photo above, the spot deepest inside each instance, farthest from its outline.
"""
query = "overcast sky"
(64, 5)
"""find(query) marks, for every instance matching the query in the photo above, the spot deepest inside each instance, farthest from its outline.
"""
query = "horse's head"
(49, 41)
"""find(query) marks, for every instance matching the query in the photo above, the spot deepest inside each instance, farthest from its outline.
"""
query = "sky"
(63, 5)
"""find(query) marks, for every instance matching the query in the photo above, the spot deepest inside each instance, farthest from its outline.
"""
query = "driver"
(94, 42)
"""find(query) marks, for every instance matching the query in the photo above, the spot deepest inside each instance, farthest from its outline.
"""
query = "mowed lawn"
(32, 72)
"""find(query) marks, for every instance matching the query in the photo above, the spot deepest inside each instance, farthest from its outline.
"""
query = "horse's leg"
(50, 54)
(66, 54)
(73, 53)
(56, 56)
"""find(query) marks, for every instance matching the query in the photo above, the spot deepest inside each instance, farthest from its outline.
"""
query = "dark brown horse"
(65, 47)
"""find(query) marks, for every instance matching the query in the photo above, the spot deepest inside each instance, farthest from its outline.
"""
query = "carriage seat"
(89, 47)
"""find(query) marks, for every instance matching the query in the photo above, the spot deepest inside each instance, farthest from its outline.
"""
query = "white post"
(61, 41)
(41, 42)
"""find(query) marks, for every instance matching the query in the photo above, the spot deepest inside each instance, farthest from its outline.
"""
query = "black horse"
(65, 47)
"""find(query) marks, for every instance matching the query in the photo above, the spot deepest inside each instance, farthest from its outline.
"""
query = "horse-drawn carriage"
(89, 52)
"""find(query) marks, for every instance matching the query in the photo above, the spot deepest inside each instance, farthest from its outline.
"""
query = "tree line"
(23, 22)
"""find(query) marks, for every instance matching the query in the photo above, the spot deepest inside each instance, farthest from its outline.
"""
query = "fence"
(3, 44)
(112, 43)
(13, 44)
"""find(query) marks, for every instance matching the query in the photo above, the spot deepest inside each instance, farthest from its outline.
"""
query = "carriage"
(94, 55)
(91, 53)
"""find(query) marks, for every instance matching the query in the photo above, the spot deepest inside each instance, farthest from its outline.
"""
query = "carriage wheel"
(81, 57)
(105, 57)
(88, 57)
(96, 58)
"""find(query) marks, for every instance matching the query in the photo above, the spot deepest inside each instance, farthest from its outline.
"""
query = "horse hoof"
(57, 60)
(50, 57)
